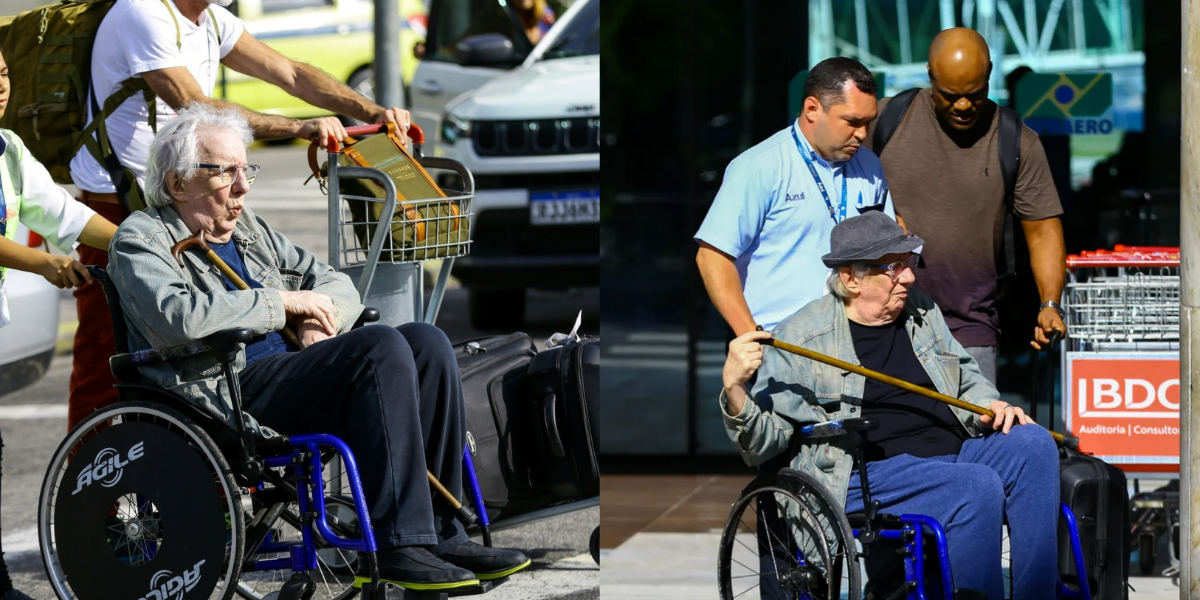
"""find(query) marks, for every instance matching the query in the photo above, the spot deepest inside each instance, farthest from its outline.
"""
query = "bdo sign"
(1124, 407)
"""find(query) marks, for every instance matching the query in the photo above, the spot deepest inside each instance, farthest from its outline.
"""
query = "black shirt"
(908, 423)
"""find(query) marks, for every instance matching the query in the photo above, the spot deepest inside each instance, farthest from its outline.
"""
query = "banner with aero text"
(1124, 407)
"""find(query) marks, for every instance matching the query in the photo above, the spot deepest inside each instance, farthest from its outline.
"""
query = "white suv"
(531, 138)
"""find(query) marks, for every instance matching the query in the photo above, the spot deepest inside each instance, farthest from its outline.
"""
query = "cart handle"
(1120, 261)
(415, 133)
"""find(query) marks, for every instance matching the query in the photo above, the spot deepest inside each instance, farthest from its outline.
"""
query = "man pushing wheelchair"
(969, 473)
(394, 394)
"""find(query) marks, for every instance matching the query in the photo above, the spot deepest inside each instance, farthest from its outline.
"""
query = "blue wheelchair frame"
(305, 457)
(912, 534)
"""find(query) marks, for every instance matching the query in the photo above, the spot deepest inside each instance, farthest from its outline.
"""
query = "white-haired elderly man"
(394, 394)
(926, 457)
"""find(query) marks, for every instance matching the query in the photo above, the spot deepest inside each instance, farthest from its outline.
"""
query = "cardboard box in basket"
(426, 224)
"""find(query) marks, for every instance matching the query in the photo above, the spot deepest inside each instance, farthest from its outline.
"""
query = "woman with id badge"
(29, 197)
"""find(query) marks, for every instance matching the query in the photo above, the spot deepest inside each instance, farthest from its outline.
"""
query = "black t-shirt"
(908, 423)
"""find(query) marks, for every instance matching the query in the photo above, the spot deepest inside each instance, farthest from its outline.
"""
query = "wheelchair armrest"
(225, 345)
(369, 315)
(837, 427)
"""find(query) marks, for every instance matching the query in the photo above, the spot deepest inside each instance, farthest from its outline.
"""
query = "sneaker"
(415, 568)
(486, 563)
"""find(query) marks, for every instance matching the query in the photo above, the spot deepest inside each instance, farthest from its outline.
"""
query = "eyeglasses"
(230, 172)
(895, 269)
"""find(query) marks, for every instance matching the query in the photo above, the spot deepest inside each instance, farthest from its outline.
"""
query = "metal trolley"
(394, 284)
(1120, 367)
(378, 263)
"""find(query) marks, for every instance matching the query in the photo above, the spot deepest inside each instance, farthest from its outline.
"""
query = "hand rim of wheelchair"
(800, 482)
(179, 425)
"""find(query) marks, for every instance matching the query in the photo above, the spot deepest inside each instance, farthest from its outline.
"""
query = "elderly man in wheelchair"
(393, 394)
(965, 472)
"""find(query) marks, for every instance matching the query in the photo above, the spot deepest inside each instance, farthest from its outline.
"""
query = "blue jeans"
(992, 478)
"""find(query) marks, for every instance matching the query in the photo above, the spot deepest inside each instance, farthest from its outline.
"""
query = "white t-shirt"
(138, 36)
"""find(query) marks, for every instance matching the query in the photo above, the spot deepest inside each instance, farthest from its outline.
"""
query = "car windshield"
(581, 37)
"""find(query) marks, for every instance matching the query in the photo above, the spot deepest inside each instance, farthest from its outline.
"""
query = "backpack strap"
(887, 123)
(216, 28)
(174, 19)
(1009, 149)
(1009, 143)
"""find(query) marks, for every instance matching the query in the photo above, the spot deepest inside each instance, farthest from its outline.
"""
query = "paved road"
(33, 420)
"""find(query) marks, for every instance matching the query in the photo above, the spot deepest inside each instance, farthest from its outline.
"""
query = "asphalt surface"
(33, 420)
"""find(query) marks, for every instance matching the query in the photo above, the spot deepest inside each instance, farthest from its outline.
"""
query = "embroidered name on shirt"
(793, 197)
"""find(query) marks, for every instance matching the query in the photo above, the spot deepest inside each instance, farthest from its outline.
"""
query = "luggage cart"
(396, 286)
(1120, 368)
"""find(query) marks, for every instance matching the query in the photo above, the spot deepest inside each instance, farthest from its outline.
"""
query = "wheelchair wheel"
(333, 577)
(138, 502)
(787, 538)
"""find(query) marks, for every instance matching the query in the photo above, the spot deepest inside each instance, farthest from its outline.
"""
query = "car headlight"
(454, 128)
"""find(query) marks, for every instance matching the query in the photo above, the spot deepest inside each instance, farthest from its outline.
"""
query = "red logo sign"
(1124, 407)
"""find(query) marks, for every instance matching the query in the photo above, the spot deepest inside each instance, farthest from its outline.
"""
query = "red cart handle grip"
(415, 133)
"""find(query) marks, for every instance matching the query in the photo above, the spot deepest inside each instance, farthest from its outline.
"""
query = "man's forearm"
(1047, 256)
(266, 127)
(318, 88)
(724, 288)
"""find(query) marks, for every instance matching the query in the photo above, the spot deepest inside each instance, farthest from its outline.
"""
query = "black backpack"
(1010, 161)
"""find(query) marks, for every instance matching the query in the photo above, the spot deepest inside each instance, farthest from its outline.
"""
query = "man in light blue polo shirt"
(762, 240)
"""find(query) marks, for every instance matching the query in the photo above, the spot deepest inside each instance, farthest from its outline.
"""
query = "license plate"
(556, 208)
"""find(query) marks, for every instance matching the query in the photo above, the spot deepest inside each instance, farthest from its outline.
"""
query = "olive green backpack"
(49, 55)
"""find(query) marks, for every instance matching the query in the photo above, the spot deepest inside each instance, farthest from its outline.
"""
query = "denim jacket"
(793, 391)
(167, 305)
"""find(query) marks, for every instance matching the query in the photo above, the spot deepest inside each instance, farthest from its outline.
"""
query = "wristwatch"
(1054, 305)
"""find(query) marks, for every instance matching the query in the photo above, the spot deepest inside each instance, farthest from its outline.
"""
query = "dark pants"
(970, 494)
(395, 396)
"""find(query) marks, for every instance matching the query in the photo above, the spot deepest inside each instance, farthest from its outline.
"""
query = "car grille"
(507, 232)
(534, 137)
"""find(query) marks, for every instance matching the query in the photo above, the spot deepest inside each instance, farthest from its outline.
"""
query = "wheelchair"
(155, 499)
(787, 537)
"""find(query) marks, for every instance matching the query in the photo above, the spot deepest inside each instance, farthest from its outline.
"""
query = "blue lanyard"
(3, 215)
(836, 216)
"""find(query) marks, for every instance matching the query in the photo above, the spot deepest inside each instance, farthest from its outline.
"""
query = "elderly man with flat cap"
(967, 472)
(943, 156)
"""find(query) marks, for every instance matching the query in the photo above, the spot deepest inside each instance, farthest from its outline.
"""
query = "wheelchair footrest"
(483, 588)
(387, 591)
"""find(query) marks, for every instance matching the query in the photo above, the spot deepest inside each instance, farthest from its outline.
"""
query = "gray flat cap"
(868, 236)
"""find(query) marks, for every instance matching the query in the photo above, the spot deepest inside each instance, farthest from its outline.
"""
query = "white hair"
(834, 282)
(176, 147)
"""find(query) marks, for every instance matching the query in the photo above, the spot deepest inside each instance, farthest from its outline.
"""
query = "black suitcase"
(564, 384)
(500, 422)
(1095, 492)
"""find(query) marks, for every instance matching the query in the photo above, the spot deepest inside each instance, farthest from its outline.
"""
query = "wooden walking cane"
(1068, 440)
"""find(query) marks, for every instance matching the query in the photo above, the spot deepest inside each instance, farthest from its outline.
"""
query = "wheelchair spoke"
(746, 590)
(755, 573)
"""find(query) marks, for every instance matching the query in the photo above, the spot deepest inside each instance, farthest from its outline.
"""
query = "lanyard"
(3, 214)
(836, 216)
